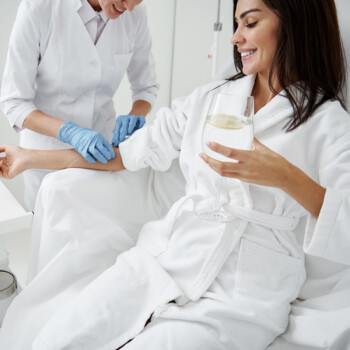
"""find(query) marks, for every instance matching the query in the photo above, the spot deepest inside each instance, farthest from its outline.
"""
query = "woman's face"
(256, 36)
(112, 8)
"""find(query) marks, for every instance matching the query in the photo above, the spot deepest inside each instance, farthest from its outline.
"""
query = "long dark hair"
(309, 56)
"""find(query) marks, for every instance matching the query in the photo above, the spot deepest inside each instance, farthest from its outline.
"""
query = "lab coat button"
(94, 63)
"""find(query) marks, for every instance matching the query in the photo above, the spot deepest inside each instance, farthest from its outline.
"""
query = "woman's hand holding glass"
(260, 165)
(264, 167)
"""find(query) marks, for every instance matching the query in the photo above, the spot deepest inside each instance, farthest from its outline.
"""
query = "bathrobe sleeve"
(18, 82)
(141, 70)
(158, 144)
(328, 237)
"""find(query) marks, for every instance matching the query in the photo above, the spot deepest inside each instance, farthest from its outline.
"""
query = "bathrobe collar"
(276, 110)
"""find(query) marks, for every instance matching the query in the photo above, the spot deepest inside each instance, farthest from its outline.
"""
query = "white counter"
(12, 216)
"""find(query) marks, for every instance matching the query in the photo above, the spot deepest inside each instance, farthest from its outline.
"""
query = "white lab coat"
(54, 66)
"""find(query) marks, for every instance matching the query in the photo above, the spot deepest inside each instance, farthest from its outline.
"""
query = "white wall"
(344, 21)
(182, 32)
(194, 38)
(161, 23)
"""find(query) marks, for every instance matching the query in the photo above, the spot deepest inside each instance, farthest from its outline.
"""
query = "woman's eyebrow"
(243, 14)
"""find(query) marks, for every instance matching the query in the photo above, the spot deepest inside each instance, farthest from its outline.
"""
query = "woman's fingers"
(2, 148)
(260, 165)
(11, 164)
(227, 169)
(233, 153)
(3, 169)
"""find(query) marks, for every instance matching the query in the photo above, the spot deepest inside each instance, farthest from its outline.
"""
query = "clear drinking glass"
(229, 123)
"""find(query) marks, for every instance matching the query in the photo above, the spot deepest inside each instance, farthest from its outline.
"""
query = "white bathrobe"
(233, 283)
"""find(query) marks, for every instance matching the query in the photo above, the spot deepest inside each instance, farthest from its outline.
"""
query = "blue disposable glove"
(126, 125)
(89, 143)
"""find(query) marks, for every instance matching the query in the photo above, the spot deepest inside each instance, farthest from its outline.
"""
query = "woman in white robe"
(232, 283)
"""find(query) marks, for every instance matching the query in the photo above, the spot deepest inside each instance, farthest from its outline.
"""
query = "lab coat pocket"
(267, 282)
(121, 63)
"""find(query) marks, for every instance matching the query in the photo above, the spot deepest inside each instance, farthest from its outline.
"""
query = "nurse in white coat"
(232, 283)
(65, 62)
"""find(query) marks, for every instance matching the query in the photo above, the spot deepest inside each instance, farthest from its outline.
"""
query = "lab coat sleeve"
(141, 70)
(328, 237)
(158, 144)
(18, 82)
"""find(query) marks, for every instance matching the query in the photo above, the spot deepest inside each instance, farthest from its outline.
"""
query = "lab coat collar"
(103, 16)
(87, 13)
(77, 4)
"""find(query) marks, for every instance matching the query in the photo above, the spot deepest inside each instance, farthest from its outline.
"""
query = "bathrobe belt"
(276, 222)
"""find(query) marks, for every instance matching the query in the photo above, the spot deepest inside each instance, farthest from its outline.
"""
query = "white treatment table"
(12, 216)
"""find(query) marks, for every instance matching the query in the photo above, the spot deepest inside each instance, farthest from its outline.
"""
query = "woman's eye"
(251, 25)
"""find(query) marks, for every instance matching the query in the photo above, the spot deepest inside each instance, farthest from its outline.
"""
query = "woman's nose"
(237, 38)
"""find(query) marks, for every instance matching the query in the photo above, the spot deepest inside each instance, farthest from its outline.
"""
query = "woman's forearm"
(304, 190)
(63, 159)
(17, 159)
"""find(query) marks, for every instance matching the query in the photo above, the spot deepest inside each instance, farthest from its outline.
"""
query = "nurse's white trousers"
(32, 180)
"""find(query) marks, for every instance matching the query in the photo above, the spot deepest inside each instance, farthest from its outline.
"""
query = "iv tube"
(215, 50)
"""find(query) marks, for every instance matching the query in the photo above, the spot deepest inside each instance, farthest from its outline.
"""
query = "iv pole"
(215, 50)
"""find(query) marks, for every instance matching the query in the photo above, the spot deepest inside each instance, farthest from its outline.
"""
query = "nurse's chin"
(112, 14)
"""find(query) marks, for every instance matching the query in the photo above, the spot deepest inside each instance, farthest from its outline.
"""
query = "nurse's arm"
(140, 107)
(17, 159)
(42, 123)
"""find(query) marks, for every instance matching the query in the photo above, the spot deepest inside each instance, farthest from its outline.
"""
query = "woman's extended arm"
(17, 159)
(264, 167)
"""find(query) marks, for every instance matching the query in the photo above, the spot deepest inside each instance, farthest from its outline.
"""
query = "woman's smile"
(246, 54)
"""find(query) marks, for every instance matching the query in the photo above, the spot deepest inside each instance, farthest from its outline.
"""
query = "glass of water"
(230, 123)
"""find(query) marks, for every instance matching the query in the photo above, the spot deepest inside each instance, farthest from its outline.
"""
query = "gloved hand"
(89, 143)
(126, 125)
